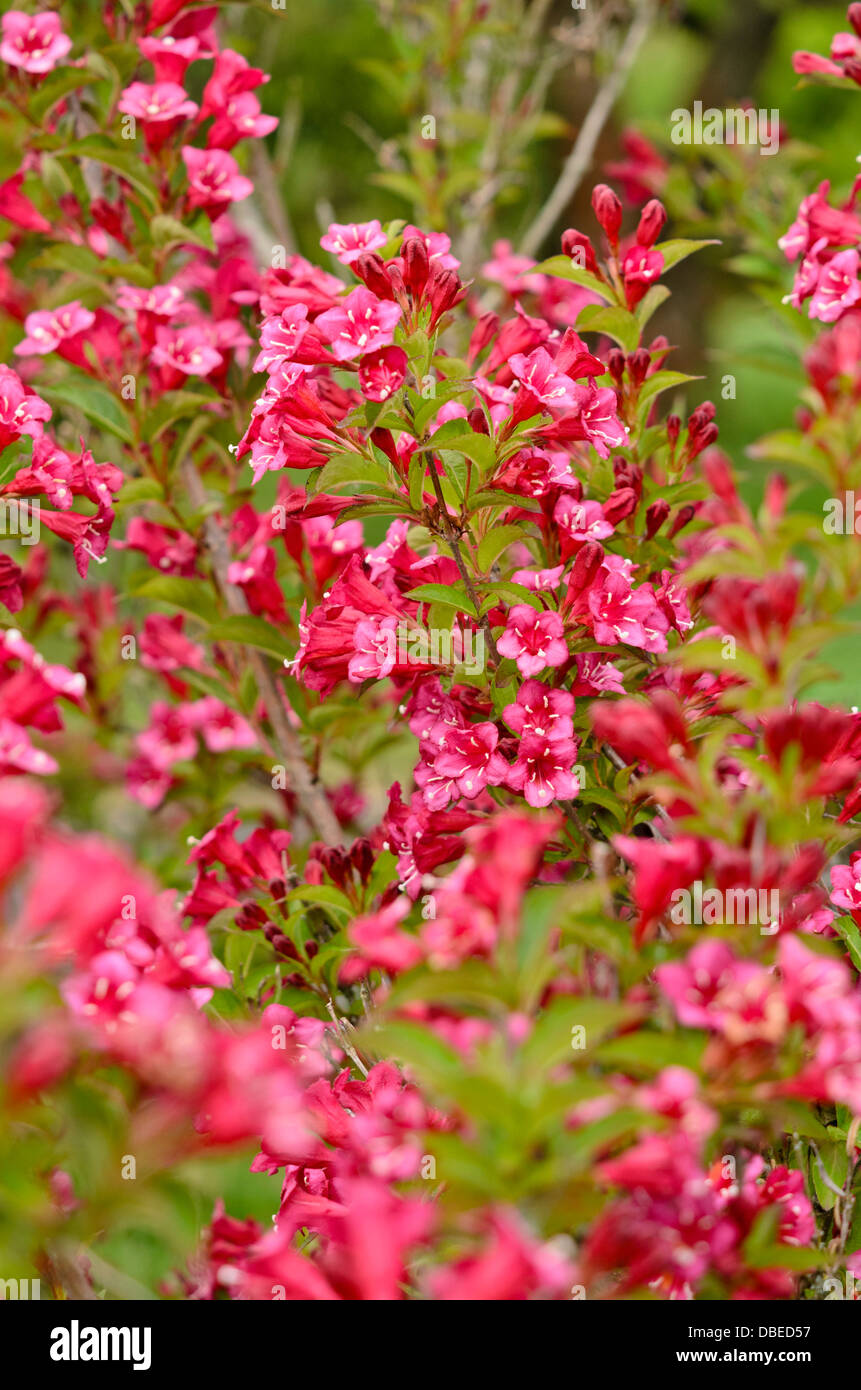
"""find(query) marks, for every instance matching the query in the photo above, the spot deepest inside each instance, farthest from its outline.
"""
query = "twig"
(308, 793)
(351, 1052)
(583, 149)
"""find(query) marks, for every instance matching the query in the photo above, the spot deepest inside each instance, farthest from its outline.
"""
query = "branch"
(453, 543)
(308, 793)
(581, 154)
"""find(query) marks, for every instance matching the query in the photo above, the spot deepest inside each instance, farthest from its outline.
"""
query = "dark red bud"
(483, 333)
(683, 517)
(477, 421)
(585, 567)
(414, 255)
(578, 248)
(674, 426)
(656, 515)
(853, 14)
(444, 290)
(616, 364)
(620, 504)
(608, 211)
(371, 270)
(638, 366)
(652, 219)
(362, 858)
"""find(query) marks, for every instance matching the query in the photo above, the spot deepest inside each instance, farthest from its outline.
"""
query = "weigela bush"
(427, 806)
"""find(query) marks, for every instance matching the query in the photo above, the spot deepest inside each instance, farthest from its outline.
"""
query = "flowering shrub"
(437, 672)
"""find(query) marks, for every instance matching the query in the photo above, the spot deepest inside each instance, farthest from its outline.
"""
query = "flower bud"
(684, 515)
(853, 14)
(444, 290)
(616, 364)
(414, 254)
(656, 515)
(371, 270)
(483, 333)
(608, 211)
(652, 219)
(477, 420)
(621, 503)
(674, 426)
(585, 567)
(577, 247)
(638, 366)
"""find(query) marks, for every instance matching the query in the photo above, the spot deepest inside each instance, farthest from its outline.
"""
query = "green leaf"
(618, 324)
(173, 406)
(663, 381)
(54, 87)
(511, 592)
(495, 542)
(168, 231)
(553, 1039)
(124, 162)
(252, 631)
(442, 593)
(651, 301)
(96, 402)
(851, 935)
(345, 471)
(645, 1053)
(679, 250)
(478, 447)
(191, 595)
(139, 490)
(564, 269)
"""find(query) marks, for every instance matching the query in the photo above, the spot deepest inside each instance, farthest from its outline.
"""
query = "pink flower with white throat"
(360, 324)
(838, 288)
(214, 180)
(350, 240)
(382, 373)
(46, 328)
(535, 640)
(538, 374)
(34, 42)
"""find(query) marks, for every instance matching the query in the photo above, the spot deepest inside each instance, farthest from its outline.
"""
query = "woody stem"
(454, 544)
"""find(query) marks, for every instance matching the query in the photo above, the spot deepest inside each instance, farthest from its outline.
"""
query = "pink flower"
(846, 884)
(185, 352)
(46, 328)
(161, 107)
(535, 639)
(241, 118)
(214, 180)
(380, 943)
(348, 240)
(640, 269)
(542, 771)
(838, 288)
(280, 337)
(508, 270)
(600, 422)
(35, 42)
(470, 760)
(21, 410)
(359, 324)
(382, 373)
(542, 712)
(222, 728)
(538, 374)
(581, 521)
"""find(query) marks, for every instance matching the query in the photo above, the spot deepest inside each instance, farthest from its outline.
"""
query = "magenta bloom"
(160, 107)
(34, 42)
(600, 423)
(838, 288)
(541, 712)
(349, 240)
(582, 521)
(543, 769)
(382, 373)
(46, 328)
(214, 180)
(640, 269)
(21, 411)
(470, 759)
(280, 337)
(534, 640)
(359, 324)
(185, 351)
(538, 374)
